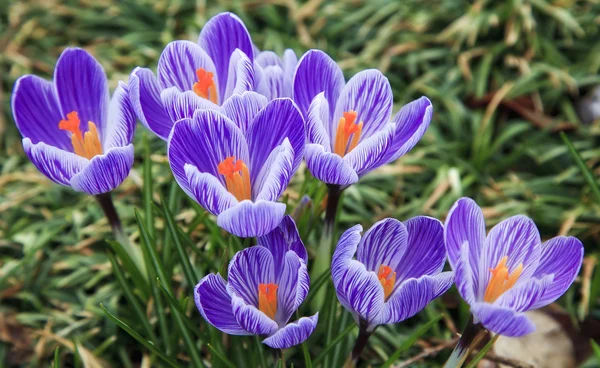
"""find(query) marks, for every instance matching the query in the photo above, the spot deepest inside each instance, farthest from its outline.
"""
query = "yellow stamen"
(267, 299)
(87, 145)
(501, 280)
(237, 177)
(205, 87)
(347, 129)
(387, 279)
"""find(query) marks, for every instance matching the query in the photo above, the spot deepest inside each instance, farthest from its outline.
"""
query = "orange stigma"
(501, 280)
(237, 177)
(387, 279)
(205, 87)
(347, 129)
(267, 299)
(87, 145)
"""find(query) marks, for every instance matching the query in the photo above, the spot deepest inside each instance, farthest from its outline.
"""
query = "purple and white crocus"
(348, 124)
(266, 285)
(509, 271)
(236, 162)
(274, 76)
(210, 72)
(396, 273)
(72, 132)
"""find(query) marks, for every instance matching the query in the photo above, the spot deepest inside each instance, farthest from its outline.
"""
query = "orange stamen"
(347, 129)
(237, 177)
(87, 145)
(267, 299)
(387, 279)
(205, 87)
(501, 280)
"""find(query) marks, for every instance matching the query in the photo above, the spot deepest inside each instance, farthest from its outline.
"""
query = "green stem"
(472, 335)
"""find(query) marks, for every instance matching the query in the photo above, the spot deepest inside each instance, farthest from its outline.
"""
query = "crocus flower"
(396, 273)
(266, 285)
(348, 124)
(71, 131)
(237, 162)
(509, 271)
(274, 75)
(211, 71)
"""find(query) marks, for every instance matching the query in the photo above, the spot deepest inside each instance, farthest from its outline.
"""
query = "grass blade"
(482, 352)
(222, 357)
(595, 347)
(57, 357)
(334, 342)
(585, 171)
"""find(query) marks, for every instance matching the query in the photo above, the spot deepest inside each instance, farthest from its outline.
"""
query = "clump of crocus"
(348, 124)
(236, 162)
(210, 71)
(396, 273)
(71, 131)
(274, 75)
(506, 273)
(266, 285)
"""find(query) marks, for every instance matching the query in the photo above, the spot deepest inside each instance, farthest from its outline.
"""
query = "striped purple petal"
(503, 321)
(283, 238)
(272, 83)
(251, 319)
(383, 244)
(243, 108)
(525, 295)
(344, 252)
(249, 268)
(288, 288)
(58, 165)
(241, 75)
(215, 305)
(104, 172)
(250, 219)
(121, 120)
(182, 105)
(317, 121)
(178, 64)
(276, 173)
(208, 191)
(144, 92)
(329, 167)
(293, 333)
(425, 252)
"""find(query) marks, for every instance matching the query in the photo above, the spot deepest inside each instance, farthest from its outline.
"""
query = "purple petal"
(208, 191)
(241, 75)
(288, 288)
(243, 108)
(182, 105)
(562, 257)
(316, 72)
(278, 120)
(104, 172)
(317, 120)
(58, 165)
(293, 334)
(268, 58)
(144, 92)
(81, 86)
(249, 268)
(251, 319)
(273, 83)
(276, 173)
(359, 291)
(292, 237)
(290, 60)
(344, 252)
(204, 142)
(214, 303)
(370, 95)
(414, 295)
(178, 64)
(383, 244)
(463, 275)
(517, 238)
(328, 167)
(250, 219)
(37, 114)
(425, 253)
(503, 321)
(524, 296)
(220, 37)
(303, 284)
(283, 238)
(465, 224)
(371, 153)
(121, 120)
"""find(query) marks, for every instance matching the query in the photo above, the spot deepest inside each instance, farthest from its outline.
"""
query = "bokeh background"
(506, 79)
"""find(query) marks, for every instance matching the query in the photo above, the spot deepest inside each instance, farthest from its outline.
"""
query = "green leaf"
(147, 343)
(222, 357)
(595, 347)
(136, 276)
(482, 352)
(57, 357)
(585, 171)
(411, 340)
(147, 187)
(333, 343)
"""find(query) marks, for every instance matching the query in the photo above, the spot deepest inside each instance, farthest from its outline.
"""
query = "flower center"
(267, 299)
(237, 177)
(87, 145)
(347, 134)
(205, 86)
(501, 280)
(387, 279)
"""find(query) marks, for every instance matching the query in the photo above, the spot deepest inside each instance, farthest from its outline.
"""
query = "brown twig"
(506, 361)
(427, 353)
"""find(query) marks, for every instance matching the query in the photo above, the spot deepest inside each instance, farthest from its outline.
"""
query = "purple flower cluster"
(238, 122)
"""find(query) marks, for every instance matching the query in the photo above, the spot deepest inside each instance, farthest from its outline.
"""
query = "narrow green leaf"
(410, 341)
(139, 281)
(147, 343)
(585, 171)
(595, 347)
(335, 341)
(147, 242)
(175, 306)
(222, 357)
(261, 354)
(482, 352)
(307, 360)
(316, 285)
(147, 188)
(57, 357)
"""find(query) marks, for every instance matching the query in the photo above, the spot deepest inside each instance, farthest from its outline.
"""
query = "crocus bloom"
(510, 271)
(266, 285)
(212, 70)
(71, 131)
(396, 273)
(274, 75)
(348, 125)
(237, 162)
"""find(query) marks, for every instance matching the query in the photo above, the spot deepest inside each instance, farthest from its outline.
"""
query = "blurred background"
(506, 78)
